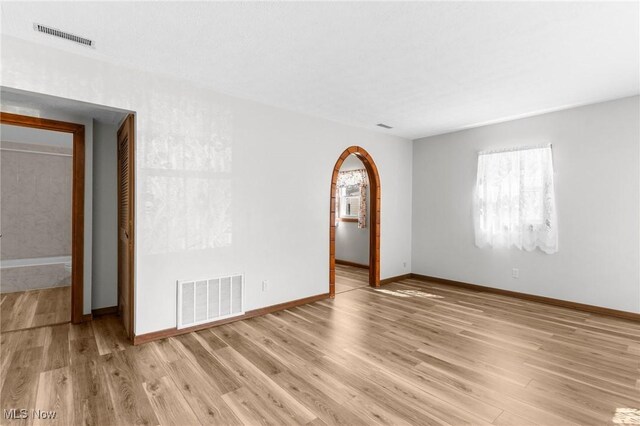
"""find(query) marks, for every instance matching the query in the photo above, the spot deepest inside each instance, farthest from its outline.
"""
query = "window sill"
(348, 219)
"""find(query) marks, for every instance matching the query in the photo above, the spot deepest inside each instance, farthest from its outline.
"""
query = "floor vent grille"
(62, 34)
(207, 300)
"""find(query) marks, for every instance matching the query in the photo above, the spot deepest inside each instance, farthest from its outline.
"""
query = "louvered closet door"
(125, 223)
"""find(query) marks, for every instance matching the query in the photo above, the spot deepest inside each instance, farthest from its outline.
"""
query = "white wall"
(352, 243)
(105, 216)
(213, 173)
(596, 163)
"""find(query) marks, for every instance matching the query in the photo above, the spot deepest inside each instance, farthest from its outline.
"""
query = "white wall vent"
(207, 300)
(62, 34)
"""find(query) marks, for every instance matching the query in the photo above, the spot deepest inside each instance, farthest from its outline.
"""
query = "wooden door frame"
(130, 121)
(374, 217)
(77, 203)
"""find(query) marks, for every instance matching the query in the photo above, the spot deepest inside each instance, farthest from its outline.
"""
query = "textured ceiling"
(423, 68)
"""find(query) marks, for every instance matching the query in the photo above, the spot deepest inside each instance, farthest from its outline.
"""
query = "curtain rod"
(522, 148)
(36, 152)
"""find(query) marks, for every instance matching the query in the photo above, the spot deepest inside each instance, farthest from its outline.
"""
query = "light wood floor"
(409, 353)
(349, 278)
(34, 308)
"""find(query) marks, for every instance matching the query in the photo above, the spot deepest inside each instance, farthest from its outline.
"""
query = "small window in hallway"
(349, 202)
(351, 195)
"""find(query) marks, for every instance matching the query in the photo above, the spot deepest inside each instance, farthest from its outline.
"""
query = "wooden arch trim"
(374, 217)
(77, 208)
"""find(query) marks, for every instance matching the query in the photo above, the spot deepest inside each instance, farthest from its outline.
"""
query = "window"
(349, 202)
(351, 197)
(515, 200)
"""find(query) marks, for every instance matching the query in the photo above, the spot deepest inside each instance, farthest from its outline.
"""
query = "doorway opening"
(347, 212)
(43, 199)
(102, 152)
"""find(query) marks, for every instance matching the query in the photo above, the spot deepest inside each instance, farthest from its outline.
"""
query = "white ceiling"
(423, 68)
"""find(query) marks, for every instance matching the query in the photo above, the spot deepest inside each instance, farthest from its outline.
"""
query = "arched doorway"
(374, 218)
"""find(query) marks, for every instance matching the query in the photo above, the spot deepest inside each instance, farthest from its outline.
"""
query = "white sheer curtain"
(515, 200)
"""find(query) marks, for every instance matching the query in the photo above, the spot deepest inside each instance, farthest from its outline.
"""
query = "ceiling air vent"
(384, 126)
(61, 34)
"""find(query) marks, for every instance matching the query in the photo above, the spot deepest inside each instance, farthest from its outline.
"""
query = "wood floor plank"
(507, 419)
(204, 399)
(439, 390)
(92, 403)
(23, 311)
(83, 350)
(331, 412)
(429, 404)
(20, 385)
(57, 347)
(7, 310)
(224, 379)
(243, 345)
(248, 409)
(127, 395)
(79, 331)
(109, 335)
(8, 346)
(55, 398)
(168, 403)
(496, 397)
(63, 305)
(35, 308)
(146, 362)
(273, 400)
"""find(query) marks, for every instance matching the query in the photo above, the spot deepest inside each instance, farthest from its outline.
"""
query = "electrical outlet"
(404, 265)
(515, 273)
(265, 285)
